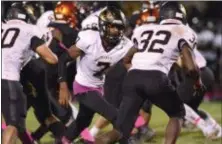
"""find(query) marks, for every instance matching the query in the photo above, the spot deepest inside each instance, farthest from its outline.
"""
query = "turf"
(158, 123)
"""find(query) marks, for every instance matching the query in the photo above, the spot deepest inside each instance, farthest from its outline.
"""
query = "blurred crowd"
(204, 17)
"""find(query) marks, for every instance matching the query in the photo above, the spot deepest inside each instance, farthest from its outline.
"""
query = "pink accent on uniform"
(139, 122)
(196, 121)
(78, 89)
(26, 138)
(63, 46)
(65, 140)
(85, 134)
(4, 126)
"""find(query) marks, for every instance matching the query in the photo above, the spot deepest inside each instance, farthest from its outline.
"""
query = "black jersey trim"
(36, 42)
(181, 43)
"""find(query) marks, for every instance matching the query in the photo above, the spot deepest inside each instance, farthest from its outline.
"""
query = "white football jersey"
(43, 22)
(47, 37)
(16, 51)
(91, 67)
(200, 60)
(47, 34)
(45, 19)
(159, 46)
(92, 21)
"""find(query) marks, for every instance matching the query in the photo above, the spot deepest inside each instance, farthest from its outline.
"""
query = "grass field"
(158, 122)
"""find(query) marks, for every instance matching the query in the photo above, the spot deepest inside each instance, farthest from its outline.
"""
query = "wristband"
(61, 79)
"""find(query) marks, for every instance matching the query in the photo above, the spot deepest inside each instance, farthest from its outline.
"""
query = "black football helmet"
(173, 10)
(34, 10)
(23, 11)
(108, 18)
(17, 11)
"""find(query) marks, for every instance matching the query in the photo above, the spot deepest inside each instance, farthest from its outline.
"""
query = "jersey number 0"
(9, 37)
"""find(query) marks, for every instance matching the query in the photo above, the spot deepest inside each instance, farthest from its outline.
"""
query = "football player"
(115, 77)
(185, 91)
(148, 16)
(99, 50)
(159, 46)
(19, 40)
(194, 115)
(60, 34)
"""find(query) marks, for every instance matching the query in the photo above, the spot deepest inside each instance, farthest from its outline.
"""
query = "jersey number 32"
(149, 34)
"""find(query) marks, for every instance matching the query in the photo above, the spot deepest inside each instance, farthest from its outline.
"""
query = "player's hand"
(199, 88)
(64, 94)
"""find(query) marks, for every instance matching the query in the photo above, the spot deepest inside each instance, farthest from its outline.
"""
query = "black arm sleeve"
(62, 68)
(36, 42)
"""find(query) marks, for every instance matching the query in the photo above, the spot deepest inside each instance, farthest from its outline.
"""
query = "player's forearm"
(63, 85)
(192, 70)
(52, 59)
(129, 56)
(189, 63)
(62, 69)
(47, 54)
(72, 53)
(194, 74)
(127, 62)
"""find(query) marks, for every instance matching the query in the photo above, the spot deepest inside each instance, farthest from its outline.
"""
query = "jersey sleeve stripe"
(36, 42)
(181, 43)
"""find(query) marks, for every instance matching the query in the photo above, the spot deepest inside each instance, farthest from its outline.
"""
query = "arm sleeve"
(134, 38)
(90, 22)
(38, 32)
(36, 42)
(62, 68)
(36, 37)
(188, 37)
